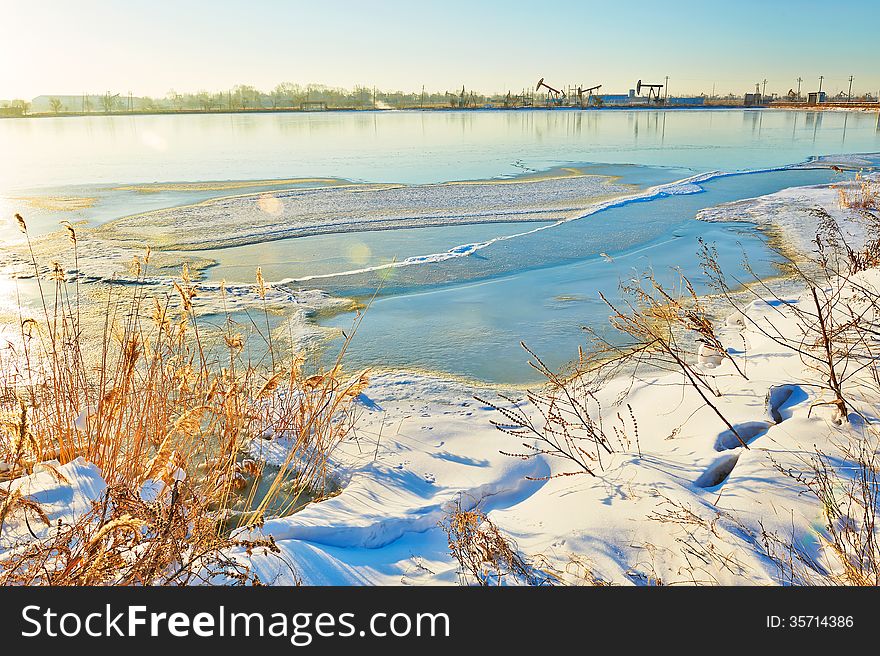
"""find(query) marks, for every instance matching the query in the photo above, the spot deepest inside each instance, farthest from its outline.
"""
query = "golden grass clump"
(171, 414)
(862, 194)
(485, 555)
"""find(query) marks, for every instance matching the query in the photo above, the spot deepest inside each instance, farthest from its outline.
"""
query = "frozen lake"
(338, 201)
(412, 147)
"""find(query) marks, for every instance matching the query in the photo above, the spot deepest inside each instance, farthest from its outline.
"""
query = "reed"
(860, 194)
(172, 413)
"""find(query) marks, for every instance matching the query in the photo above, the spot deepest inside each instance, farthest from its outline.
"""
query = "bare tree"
(206, 102)
(109, 102)
(22, 105)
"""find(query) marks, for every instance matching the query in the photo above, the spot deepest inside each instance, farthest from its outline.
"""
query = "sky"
(56, 47)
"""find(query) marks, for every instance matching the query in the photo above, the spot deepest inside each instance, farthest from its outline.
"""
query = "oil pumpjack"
(557, 94)
(653, 90)
(589, 92)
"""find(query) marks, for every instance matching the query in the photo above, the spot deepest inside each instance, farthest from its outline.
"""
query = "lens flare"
(359, 253)
(154, 141)
(386, 275)
(8, 297)
(270, 204)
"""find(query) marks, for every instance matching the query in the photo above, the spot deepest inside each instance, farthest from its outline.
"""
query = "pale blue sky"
(149, 47)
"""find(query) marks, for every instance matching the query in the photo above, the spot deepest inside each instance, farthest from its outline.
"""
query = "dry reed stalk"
(151, 404)
(485, 555)
(861, 194)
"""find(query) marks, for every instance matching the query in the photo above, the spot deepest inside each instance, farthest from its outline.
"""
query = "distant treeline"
(246, 97)
(289, 96)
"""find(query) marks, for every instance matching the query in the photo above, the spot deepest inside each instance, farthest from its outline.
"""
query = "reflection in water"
(814, 119)
(407, 146)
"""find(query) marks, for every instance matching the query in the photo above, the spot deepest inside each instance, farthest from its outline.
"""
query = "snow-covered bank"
(689, 505)
(430, 446)
(788, 212)
(423, 444)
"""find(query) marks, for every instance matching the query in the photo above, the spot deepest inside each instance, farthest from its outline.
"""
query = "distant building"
(10, 112)
(615, 99)
(753, 100)
(815, 97)
(631, 98)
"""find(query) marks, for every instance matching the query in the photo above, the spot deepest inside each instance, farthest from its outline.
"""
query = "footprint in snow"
(780, 398)
(719, 471)
(746, 432)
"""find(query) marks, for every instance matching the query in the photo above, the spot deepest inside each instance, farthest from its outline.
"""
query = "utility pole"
(764, 92)
(799, 80)
(849, 95)
(821, 77)
(666, 89)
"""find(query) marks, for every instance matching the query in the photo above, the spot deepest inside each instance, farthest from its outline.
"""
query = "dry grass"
(847, 487)
(861, 194)
(834, 331)
(568, 426)
(658, 329)
(157, 405)
(485, 555)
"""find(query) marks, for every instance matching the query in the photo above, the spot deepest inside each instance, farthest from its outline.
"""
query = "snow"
(551, 199)
(787, 212)
(64, 492)
(249, 218)
(437, 448)
(687, 504)
(558, 216)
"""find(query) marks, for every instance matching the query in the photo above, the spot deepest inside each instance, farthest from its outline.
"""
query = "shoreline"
(858, 107)
(732, 493)
(777, 237)
(424, 443)
(773, 236)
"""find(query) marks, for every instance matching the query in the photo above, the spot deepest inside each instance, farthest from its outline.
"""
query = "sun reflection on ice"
(154, 141)
(359, 253)
(8, 293)
(270, 204)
